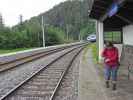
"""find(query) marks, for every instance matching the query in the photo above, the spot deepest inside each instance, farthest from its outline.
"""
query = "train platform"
(91, 82)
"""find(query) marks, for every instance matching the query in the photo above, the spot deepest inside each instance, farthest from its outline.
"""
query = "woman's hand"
(107, 60)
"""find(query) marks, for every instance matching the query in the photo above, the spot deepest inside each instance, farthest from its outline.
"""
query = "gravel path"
(11, 78)
(90, 84)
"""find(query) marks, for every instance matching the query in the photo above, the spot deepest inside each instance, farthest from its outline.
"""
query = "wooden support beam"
(120, 2)
(124, 19)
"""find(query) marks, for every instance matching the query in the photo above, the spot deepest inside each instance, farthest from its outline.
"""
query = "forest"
(66, 22)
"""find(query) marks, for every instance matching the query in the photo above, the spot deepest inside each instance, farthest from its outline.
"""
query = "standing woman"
(111, 58)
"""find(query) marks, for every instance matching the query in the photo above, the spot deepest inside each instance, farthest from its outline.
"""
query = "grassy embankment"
(5, 51)
(94, 49)
(94, 52)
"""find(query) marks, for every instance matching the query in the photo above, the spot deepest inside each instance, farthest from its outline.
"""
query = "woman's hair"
(109, 44)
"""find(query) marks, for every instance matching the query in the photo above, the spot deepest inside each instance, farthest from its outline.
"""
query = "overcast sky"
(11, 9)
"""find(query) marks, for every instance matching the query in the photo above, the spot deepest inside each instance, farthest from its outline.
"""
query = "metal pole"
(67, 31)
(79, 37)
(43, 32)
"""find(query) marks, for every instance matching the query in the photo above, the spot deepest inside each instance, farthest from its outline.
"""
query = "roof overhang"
(124, 16)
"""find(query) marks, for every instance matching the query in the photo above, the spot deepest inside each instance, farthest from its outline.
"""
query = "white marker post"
(43, 32)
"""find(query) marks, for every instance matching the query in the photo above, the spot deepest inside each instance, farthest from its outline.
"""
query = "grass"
(5, 51)
(94, 52)
(85, 51)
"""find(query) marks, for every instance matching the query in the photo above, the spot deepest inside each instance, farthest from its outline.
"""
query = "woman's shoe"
(107, 84)
(114, 87)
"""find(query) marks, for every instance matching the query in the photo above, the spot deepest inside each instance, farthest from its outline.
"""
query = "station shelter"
(114, 18)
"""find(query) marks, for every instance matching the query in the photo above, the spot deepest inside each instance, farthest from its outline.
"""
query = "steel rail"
(63, 75)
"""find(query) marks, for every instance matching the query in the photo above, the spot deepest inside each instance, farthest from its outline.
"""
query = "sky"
(11, 9)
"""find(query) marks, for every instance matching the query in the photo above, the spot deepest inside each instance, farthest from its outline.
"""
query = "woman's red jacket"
(112, 55)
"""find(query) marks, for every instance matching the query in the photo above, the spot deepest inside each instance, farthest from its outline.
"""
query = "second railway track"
(19, 61)
(43, 84)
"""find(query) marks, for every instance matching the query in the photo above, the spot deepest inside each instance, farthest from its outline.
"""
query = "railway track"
(40, 85)
(14, 63)
(68, 89)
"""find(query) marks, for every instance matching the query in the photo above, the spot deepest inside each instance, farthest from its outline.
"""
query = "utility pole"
(43, 32)
(79, 37)
(67, 29)
(1, 21)
(21, 19)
